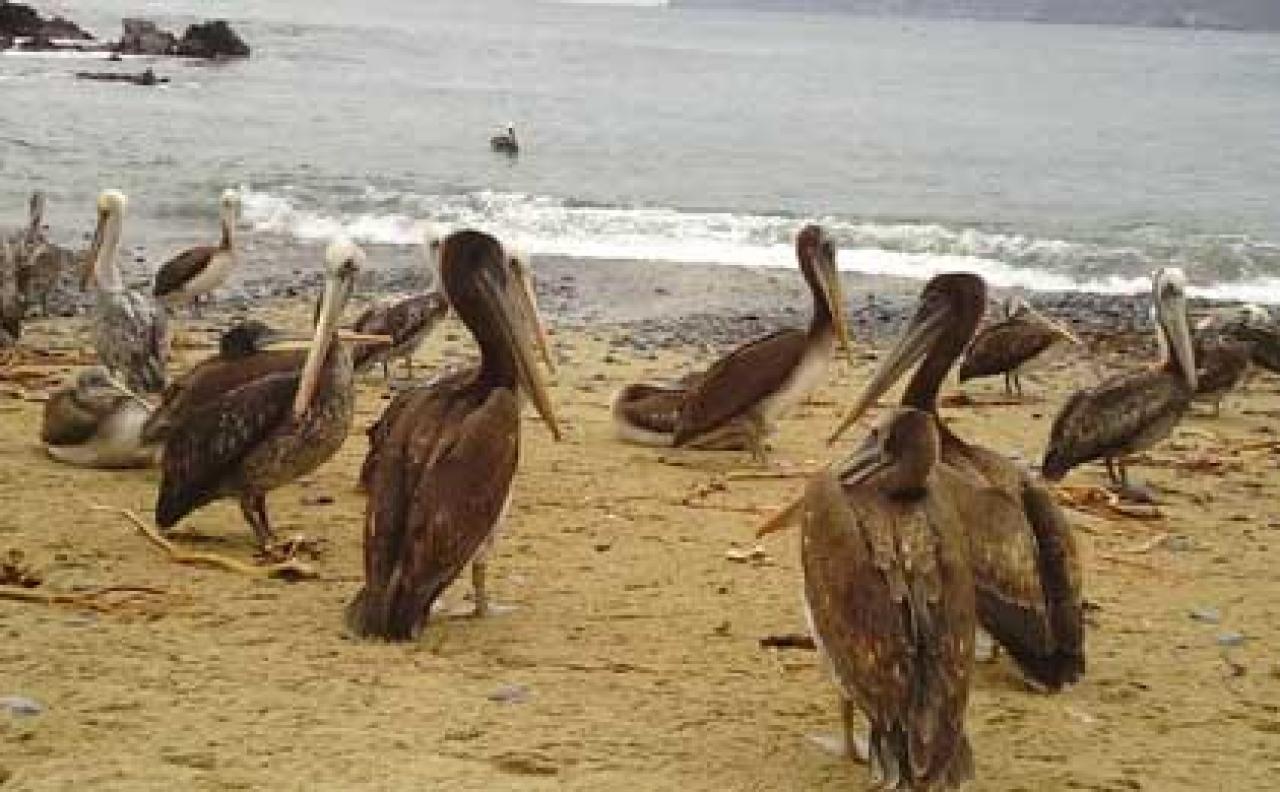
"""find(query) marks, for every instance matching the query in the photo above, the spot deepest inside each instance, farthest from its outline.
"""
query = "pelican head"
(343, 261)
(433, 236)
(1014, 305)
(247, 338)
(97, 389)
(817, 255)
(1169, 300)
(100, 260)
(475, 271)
(36, 211)
(518, 261)
(897, 456)
(951, 306)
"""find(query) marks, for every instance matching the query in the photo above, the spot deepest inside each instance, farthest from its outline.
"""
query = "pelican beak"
(90, 264)
(514, 325)
(337, 288)
(1058, 328)
(529, 303)
(925, 328)
(365, 338)
(786, 517)
(833, 292)
(1172, 312)
(120, 386)
(284, 341)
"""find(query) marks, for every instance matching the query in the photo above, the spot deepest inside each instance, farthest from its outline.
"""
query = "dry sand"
(631, 658)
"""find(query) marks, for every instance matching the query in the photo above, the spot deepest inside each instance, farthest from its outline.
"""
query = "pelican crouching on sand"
(889, 595)
(439, 480)
(196, 272)
(271, 429)
(739, 400)
(130, 331)
(97, 423)
(506, 142)
(1131, 412)
(1006, 346)
(1026, 568)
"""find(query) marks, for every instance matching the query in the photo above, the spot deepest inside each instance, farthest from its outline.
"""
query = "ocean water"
(1049, 157)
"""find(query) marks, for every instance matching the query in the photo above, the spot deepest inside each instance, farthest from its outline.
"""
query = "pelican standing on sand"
(38, 263)
(440, 480)
(739, 400)
(272, 429)
(1131, 412)
(1008, 345)
(889, 596)
(130, 331)
(1026, 567)
(1224, 346)
(96, 423)
(196, 272)
(506, 142)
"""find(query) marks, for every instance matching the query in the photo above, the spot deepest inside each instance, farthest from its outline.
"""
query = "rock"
(510, 694)
(143, 37)
(1206, 615)
(21, 706)
(23, 21)
(522, 763)
(212, 40)
(1231, 639)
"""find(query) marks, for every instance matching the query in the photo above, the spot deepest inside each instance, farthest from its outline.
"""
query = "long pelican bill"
(784, 518)
(126, 390)
(833, 291)
(513, 325)
(925, 328)
(337, 289)
(1058, 328)
(529, 302)
(1172, 310)
(90, 264)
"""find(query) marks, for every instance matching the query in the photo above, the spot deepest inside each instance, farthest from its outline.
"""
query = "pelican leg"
(408, 364)
(254, 509)
(1017, 383)
(386, 371)
(1008, 384)
(856, 746)
(1111, 471)
(479, 591)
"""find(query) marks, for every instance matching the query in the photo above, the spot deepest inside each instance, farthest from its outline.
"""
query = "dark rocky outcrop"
(213, 41)
(23, 21)
(142, 37)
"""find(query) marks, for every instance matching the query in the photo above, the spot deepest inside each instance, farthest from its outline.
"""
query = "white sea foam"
(549, 227)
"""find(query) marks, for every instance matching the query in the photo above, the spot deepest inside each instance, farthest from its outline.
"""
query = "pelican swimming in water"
(889, 595)
(1026, 567)
(1006, 346)
(738, 401)
(1131, 412)
(265, 432)
(196, 272)
(245, 354)
(506, 142)
(97, 423)
(130, 331)
(440, 479)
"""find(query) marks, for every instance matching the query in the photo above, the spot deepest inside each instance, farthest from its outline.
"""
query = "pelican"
(1026, 568)
(1225, 344)
(1131, 412)
(12, 307)
(130, 331)
(506, 142)
(738, 401)
(440, 480)
(97, 423)
(39, 262)
(1008, 345)
(197, 271)
(245, 354)
(272, 429)
(889, 596)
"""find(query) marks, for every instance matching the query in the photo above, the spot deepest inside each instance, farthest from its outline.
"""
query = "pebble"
(21, 706)
(1206, 615)
(510, 694)
(1230, 639)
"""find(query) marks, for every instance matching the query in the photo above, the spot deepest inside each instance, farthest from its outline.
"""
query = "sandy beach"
(631, 658)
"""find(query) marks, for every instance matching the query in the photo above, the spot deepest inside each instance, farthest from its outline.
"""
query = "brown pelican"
(1006, 346)
(130, 331)
(37, 262)
(197, 271)
(506, 143)
(738, 401)
(1130, 412)
(889, 595)
(1226, 343)
(284, 423)
(440, 480)
(12, 307)
(244, 356)
(1026, 568)
(96, 423)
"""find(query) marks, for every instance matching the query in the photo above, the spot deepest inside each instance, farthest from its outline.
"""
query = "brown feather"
(1006, 346)
(738, 382)
(179, 270)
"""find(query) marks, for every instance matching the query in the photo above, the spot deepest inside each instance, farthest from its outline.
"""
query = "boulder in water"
(213, 41)
(143, 37)
(22, 21)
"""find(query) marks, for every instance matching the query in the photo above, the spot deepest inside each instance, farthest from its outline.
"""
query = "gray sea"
(1048, 157)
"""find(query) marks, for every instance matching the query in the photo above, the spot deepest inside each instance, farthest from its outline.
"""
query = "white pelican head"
(343, 260)
(100, 262)
(1169, 299)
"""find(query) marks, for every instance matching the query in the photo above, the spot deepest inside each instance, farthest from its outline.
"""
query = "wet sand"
(631, 660)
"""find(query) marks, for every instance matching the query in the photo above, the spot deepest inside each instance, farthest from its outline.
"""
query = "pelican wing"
(131, 338)
(1123, 414)
(407, 400)
(181, 269)
(1264, 345)
(405, 317)
(738, 382)
(1221, 360)
(892, 603)
(439, 485)
(1004, 346)
(205, 448)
